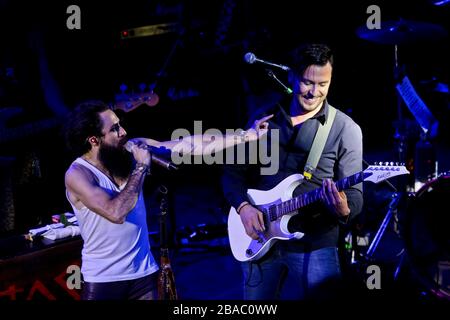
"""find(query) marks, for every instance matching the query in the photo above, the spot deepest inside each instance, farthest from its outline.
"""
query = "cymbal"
(402, 32)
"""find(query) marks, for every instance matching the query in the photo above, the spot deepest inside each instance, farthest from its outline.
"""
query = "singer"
(104, 187)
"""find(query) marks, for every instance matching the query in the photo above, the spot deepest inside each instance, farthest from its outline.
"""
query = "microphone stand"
(274, 77)
(368, 256)
(397, 196)
(387, 219)
(166, 280)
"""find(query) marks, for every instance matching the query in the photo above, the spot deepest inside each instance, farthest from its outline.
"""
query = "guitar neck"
(280, 209)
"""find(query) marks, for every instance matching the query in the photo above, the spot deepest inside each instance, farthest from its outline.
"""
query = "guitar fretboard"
(280, 209)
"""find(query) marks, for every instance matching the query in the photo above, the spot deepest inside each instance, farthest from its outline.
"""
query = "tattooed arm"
(204, 144)
(84, 190)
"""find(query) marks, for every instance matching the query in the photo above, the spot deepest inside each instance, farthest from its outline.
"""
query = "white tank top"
(114, 252)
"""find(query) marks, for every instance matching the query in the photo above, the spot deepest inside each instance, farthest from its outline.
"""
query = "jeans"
(312, 275)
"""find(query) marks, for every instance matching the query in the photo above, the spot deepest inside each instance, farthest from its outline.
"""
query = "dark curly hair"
(83, 122)
(310, 54)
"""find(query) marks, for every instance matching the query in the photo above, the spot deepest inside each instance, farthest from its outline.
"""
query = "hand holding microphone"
(142, 154)
(139, 151)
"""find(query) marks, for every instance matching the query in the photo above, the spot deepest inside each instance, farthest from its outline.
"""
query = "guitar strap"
(318, 144)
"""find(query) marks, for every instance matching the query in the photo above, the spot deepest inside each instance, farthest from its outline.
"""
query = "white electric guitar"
(278, 206)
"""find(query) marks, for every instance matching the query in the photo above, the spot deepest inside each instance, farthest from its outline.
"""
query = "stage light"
(439, 2)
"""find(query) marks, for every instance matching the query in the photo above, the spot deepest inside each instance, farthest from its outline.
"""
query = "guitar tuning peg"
(396, 163)
(123, 87)
(386, 163)
(391, 163)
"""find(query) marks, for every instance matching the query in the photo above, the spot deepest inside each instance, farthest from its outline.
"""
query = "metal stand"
(387, 219)
(162, 196)
(401, 130)
(396, 197)
(166, 280)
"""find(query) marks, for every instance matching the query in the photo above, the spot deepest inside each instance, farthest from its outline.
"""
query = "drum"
(425, 228)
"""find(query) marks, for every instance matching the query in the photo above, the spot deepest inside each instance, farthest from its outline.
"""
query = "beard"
(116, 160)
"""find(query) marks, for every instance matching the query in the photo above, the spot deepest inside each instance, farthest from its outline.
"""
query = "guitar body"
(278, 206)
(245, 248)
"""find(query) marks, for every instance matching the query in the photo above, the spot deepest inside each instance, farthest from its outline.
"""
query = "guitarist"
(312, 262)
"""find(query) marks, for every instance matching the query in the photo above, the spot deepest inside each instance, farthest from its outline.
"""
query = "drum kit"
(422, 217)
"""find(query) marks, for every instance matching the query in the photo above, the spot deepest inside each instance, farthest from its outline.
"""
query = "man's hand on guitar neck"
(252, 219)
(335, 200)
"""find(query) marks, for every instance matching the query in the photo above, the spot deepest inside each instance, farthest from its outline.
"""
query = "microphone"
(155, 159)
(274, 77)
(251, 58)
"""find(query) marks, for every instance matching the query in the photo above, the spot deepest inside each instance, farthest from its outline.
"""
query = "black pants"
(140, 288)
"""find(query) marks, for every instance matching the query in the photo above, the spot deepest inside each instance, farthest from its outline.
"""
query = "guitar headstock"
(379, 173)
(129, 102)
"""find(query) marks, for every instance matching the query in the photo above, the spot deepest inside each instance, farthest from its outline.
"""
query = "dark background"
(198, 74)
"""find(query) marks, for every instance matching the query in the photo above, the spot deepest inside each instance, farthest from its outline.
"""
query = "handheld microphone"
(251, 58)
(155, 159)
